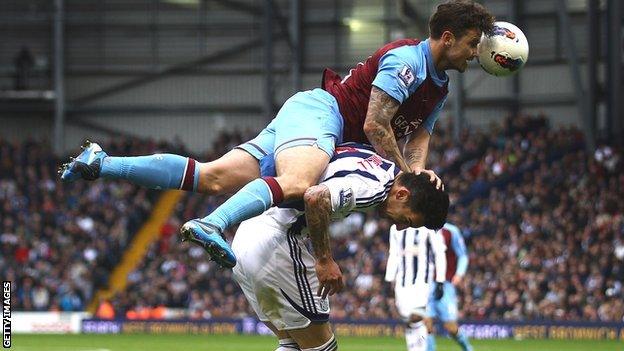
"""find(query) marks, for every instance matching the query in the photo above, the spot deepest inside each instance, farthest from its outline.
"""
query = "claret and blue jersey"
(456, 264)
(405, 70)
(456, 255)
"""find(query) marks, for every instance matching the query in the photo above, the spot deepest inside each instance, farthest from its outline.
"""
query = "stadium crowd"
(541, 216)
(59, 242)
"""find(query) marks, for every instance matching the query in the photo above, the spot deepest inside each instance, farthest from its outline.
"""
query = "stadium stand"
(60, 242)
(541, 216)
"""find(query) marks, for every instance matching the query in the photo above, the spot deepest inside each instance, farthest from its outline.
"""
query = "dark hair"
(458, 16)
(426, 199)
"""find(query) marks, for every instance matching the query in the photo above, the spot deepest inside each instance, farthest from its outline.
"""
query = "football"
(504, 51)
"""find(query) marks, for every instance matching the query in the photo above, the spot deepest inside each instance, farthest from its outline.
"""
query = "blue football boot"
(86, 166)
(209, 238)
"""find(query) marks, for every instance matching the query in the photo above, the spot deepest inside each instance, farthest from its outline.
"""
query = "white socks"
(416, 336)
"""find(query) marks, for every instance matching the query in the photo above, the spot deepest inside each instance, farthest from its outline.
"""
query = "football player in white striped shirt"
(416, 258)
(287, 285)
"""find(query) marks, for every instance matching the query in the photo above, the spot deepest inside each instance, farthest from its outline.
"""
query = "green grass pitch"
(131, 342)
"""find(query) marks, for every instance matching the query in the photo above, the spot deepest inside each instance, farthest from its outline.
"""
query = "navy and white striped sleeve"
(341, 191)
(358, 179)
(353, 193)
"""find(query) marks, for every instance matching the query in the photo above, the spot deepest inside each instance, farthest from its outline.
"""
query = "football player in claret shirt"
(396, 93)
(445, 309)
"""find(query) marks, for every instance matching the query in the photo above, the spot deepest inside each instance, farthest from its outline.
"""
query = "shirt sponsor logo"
(403, 127)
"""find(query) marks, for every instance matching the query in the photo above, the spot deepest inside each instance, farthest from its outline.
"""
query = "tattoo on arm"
(317, 201)
(416, 149)
(381, 108)
(415, 157)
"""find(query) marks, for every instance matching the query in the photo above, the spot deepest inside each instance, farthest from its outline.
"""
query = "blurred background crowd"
(542, 218)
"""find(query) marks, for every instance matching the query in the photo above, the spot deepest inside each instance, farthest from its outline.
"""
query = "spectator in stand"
(24, 63)
(105, 310)
(524, 193)
(40, 218)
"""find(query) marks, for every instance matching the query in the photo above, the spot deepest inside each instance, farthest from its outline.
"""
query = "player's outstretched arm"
(459, 246)
(318, 209)
(381, 108)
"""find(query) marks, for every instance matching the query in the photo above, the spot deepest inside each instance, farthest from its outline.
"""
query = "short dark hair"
(426, 199)
(458, 16)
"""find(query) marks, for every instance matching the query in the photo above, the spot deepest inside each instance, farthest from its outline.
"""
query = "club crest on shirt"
(345, 197)
(406, 76)
(322, 305)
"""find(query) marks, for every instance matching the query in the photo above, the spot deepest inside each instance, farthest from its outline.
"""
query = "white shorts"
(276, 272)
(411, 300)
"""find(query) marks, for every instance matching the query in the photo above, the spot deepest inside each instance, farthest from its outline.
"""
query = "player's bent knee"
(299, 168)
(414, 318)
(292, 187)
(451, 327)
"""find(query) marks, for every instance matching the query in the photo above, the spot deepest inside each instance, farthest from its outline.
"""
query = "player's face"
(461, 50)
(396, 209)
(408, 219)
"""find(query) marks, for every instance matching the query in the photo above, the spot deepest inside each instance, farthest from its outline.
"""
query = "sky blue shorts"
(308, 118)
(444, 309)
